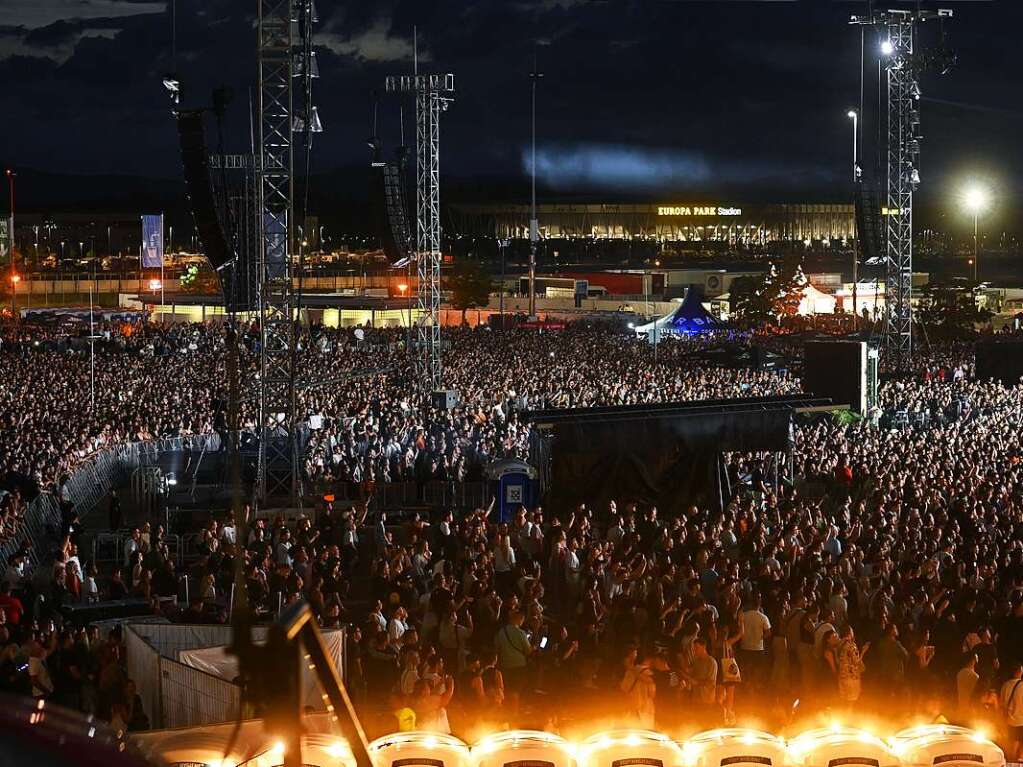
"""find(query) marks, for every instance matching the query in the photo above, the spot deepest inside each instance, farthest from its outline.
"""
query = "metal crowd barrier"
(435, 493)
(87, 485)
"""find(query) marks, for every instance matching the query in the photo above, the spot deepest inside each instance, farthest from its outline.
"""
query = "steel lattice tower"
(284, 30)
(433, 94)
(902, 148)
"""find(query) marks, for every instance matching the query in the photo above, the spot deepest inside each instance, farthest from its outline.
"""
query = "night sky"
(659, 98)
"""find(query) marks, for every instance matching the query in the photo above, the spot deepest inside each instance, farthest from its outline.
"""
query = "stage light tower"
(903, 65)
(433, 94)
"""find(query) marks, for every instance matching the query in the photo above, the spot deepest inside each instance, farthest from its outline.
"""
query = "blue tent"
(690, 318)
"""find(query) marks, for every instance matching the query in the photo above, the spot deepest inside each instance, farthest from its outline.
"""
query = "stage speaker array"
(1000, 361)
(235, 275)
(838, 370)
(390, 214)
(869, 223)
(199, 187)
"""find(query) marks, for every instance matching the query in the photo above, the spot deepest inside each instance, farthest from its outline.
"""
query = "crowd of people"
(885, 566)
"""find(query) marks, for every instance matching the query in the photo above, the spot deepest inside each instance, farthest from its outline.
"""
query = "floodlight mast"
(903, 176)
(433, 94)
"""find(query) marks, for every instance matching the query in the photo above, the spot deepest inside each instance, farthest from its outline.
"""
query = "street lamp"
(15, 279)
(10, 223)
(976, 200)
(887, 49)
(853, 115)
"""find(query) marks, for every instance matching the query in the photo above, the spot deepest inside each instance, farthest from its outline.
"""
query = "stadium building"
(679, 222)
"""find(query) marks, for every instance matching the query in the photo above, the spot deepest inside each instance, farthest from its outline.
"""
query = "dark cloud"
(733, 90)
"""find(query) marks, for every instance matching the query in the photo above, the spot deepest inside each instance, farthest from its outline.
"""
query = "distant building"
(718, 222)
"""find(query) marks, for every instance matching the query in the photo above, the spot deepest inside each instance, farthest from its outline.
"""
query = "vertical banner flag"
(152, 241)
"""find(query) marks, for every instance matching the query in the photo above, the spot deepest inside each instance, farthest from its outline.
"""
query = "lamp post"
(855, 117)
(15, 279)
(976, 200)
(534, 226)
(10, 234)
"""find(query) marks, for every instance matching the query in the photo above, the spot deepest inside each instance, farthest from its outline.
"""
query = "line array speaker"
(869, 227)
(390, 212)
(199, 187)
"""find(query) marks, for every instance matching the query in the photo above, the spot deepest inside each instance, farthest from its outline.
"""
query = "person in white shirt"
(132, 545)
(396, 627)
(229, 533)
(756, 632)
(284, 548)
(966, 685)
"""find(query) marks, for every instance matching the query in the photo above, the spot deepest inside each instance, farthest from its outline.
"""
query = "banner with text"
(152, 241)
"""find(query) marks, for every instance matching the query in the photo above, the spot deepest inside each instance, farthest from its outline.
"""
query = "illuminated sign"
(697, 210)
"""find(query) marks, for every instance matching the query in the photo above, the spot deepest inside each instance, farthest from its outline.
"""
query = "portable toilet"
(513, 483)
(622, 748)
(945, 745)
(419, 749)
(523, 748)
(734, 747)
(840, 747)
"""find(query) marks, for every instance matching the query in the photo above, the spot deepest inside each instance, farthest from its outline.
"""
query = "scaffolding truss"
(902, 151)
(433, 93)
(285, 28)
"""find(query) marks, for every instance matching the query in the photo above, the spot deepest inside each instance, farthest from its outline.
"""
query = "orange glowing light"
(15, 278)
(402, 288)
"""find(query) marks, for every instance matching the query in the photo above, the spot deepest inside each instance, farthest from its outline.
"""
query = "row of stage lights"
(835, 746)
(921, 746)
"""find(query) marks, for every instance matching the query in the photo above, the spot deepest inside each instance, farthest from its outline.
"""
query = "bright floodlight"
(887, 48)
(975, 199)
(851, 114)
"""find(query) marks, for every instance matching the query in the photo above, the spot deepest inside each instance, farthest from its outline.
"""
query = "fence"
(173, 694)
(177, 694)
(435, 494)
(88, 484)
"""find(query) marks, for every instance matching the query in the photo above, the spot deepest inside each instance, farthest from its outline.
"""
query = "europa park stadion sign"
(697, 210)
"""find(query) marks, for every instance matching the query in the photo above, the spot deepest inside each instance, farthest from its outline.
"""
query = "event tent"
(690, 318)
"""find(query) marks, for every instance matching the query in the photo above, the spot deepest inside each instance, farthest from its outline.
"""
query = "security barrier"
(88, 484)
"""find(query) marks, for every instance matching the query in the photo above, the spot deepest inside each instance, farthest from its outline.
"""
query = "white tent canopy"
(217, 662)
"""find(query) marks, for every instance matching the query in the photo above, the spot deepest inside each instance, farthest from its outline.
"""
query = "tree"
(748, 297)
(469, 285)
(786, 289)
